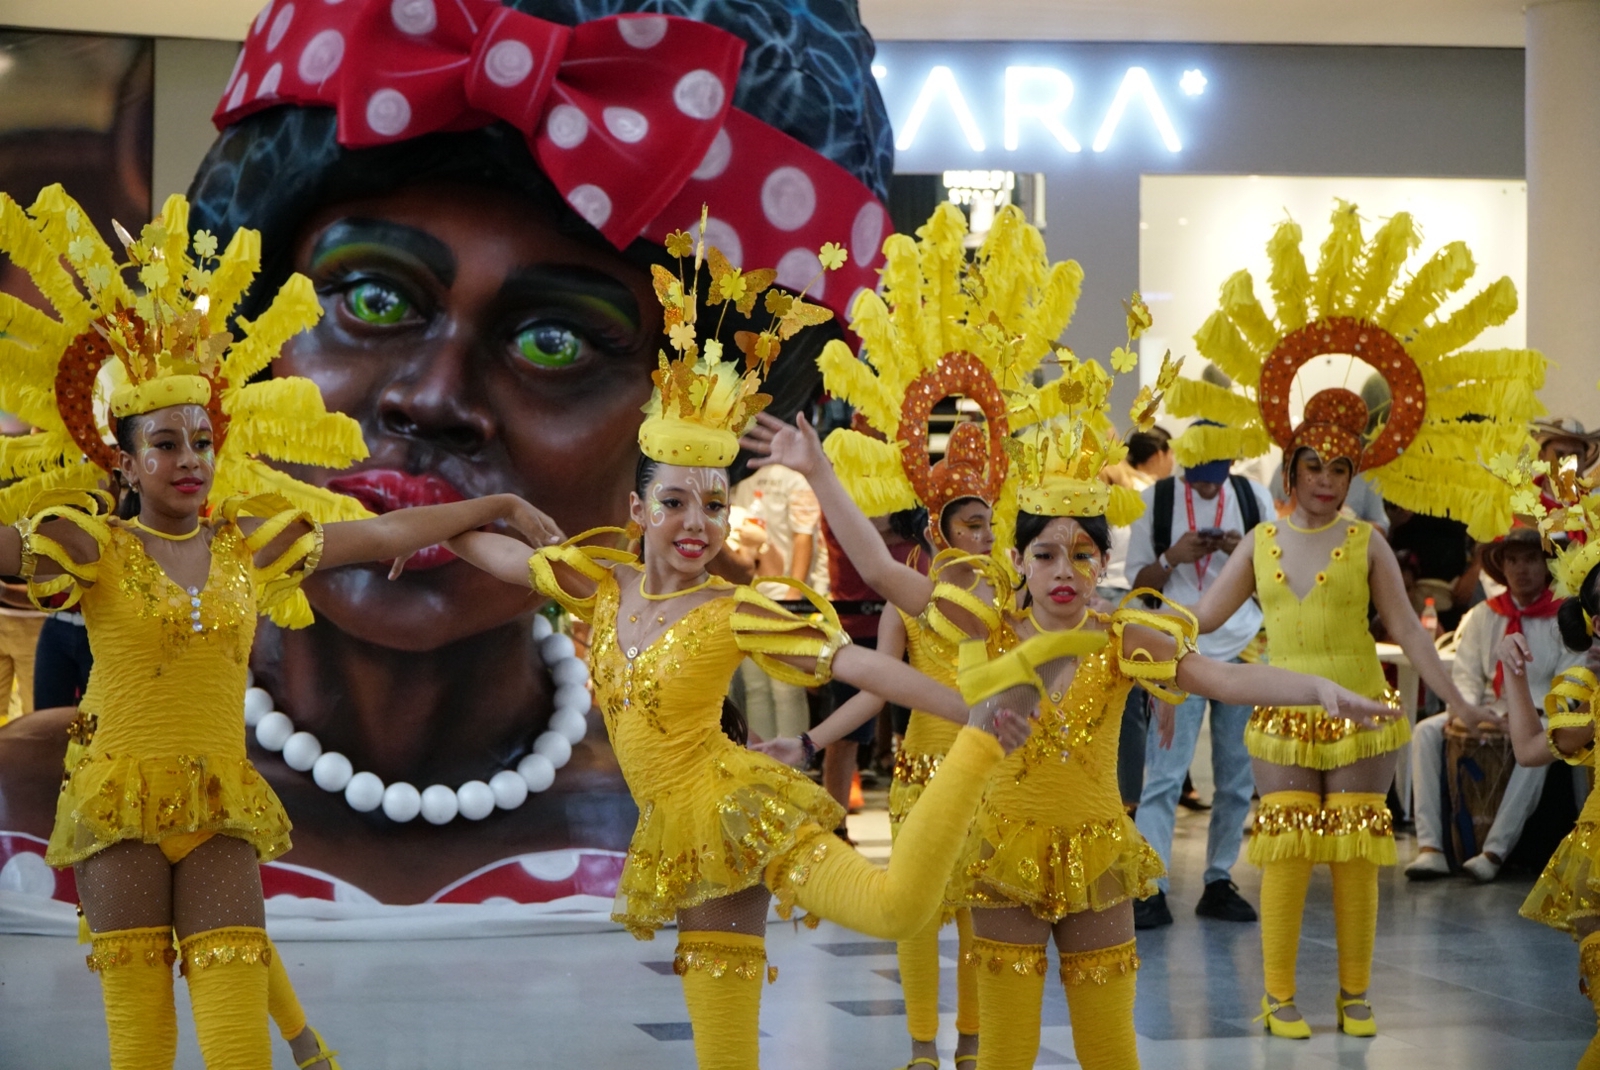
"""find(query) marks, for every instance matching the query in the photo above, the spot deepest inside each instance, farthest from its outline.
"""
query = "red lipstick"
(383, 490)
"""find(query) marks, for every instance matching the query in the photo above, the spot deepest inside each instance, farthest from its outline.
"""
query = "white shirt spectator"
(1480, 633)
(782, 500)
(1186, 582)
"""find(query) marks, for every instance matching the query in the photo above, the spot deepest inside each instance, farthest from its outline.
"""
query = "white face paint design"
(701, 486)
(189, 421)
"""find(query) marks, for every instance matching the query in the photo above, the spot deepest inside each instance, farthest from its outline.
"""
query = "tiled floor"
(1460, 983)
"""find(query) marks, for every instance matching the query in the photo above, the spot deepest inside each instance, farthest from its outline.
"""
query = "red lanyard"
(1203, 564)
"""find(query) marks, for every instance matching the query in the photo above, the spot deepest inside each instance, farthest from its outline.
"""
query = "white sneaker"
(1482, 869)
(1429, 866)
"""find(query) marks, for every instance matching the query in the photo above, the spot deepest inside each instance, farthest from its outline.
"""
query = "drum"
(1476, 772)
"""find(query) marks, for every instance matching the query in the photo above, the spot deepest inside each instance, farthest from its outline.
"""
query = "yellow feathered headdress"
(1451, 406)
(1562, 504)
(166, 343)
(1065, 439)
(945, 326)
(702, 403)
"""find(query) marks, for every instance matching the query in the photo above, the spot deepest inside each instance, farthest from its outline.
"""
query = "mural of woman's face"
(482, 351)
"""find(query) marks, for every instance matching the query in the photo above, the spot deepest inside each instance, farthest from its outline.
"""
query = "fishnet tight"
(1088, 930)
(741, 912)
(131, 885)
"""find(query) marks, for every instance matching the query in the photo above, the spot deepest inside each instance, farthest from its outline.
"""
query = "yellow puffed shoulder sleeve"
(277, 585)
(1139, 664)
(1570, 704)
(85, 510)
(768, 632)
(584, 560)
(947, 595)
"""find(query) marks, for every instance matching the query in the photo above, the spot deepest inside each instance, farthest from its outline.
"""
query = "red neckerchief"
(1546, 605)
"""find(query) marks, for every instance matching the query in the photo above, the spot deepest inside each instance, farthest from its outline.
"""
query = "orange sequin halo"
(74, 383)
(974, 464)
(1335, 420)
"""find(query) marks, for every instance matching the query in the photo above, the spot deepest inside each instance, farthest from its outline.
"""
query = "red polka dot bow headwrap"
(628, 115)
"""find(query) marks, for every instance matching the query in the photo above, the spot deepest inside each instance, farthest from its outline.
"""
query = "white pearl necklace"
(438, 804)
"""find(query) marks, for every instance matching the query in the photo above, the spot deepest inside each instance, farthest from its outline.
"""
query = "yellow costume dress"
(1052, 834)
(165, 761)
(1324, 634)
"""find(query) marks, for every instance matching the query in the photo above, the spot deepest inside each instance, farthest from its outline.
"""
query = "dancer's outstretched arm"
(860, 708)
(1528, 741)
(796, 446)
(405, 531)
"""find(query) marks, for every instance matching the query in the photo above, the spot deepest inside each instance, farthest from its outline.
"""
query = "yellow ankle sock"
(722, 975)
(1356, 825)
(1010, 998)
(1589, 970)
(135, 968)
(966, 976)
(282, 1003)
(827, 878)
(1100, 987)
(227, 971)
(1283, 899)
(1355, 920)
(919, 980)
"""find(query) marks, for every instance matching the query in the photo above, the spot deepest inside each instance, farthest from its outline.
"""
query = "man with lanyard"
(1177, 547)
(1528, 607)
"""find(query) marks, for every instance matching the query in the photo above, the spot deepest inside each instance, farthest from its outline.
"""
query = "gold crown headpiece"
(702, 403)
(165, 333)
(945, 326)
(1562, 504)
(1449, 406)
(1066, 441)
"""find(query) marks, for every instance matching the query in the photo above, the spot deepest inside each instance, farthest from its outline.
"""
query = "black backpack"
(1161, 513)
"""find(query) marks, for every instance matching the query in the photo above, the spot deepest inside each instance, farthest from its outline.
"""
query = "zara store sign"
(1023, 107)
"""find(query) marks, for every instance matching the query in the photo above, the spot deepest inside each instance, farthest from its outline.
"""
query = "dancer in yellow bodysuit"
(721, 828)
(926, 342)
(1322, 778)
(162, 815)
(1567, 894)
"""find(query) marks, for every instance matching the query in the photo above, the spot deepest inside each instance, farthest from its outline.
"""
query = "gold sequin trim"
(1279, 819)
(1296, 819)
(220, 947)
(1310, 724)
(1374, 820)
(81, 728)
(1100, 966)
(915, 768)
(721, 959)
(1589, 960)
(153, 947)
(1021, 959)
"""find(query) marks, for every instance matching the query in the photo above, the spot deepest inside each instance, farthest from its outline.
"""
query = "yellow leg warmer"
(1286, 826)
(1589, 970)
(1356, 825)
(1355, 921)
(827, 878)
(227, 971)
(1010, 998)
(1100, 987)
(282, 1003)
(1283, 901)
(722, 986)
(135, 968)
(919, 980)
(966, 976)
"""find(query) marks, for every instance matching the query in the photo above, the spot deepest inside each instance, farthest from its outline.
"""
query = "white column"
(1563, 166)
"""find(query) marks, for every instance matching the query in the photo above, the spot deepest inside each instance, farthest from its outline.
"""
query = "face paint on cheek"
(1085, 556)
(658, 512)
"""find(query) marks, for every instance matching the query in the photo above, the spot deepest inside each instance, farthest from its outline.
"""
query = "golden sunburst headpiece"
(161, 338)
(702, 403)
(945, 326)
(1451, 406)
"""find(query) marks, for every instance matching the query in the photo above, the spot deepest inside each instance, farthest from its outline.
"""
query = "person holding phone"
(1178, 547)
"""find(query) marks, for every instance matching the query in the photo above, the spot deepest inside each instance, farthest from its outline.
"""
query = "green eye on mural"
(548, 345)
(375, 303)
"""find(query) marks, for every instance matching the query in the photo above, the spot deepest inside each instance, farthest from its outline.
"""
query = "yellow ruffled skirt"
(1569, 887)
(106, 800)
(1306, 736)
(1038, 842)
(716, 832)
(927, 739)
